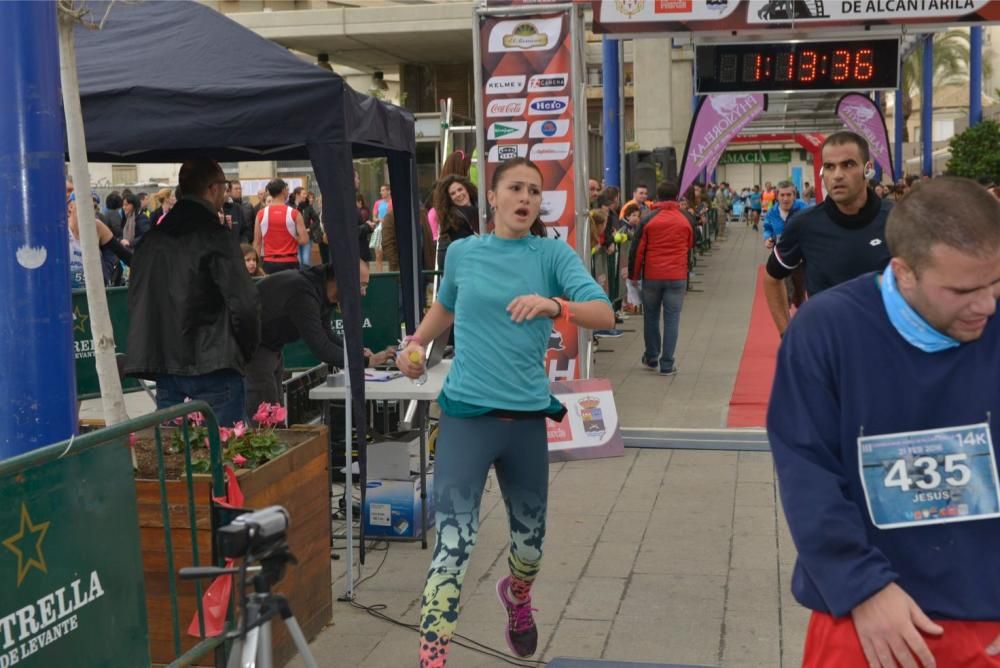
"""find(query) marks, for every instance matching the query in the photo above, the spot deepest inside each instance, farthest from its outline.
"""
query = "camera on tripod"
(254, 535)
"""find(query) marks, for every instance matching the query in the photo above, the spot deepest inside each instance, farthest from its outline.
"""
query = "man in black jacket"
(297, 305)
(838, 239)
(194, 314)
(240, 214)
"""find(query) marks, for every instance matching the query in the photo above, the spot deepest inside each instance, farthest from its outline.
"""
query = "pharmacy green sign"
(70, 566)
(773, 155)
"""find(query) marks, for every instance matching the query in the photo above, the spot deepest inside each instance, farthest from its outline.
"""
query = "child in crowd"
(252, 260)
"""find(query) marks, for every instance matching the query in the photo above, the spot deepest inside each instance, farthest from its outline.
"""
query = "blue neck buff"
(910, 325)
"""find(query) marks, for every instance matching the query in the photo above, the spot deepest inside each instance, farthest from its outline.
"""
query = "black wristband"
(559, 306)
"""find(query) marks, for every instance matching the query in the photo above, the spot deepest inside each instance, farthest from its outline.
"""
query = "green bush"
(976, 152)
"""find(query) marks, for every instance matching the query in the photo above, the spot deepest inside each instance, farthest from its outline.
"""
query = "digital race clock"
(806, 66)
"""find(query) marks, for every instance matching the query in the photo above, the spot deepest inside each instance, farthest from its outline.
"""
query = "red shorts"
(833, 643)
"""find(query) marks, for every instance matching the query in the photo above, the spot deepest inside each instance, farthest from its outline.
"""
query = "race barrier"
(75, 572)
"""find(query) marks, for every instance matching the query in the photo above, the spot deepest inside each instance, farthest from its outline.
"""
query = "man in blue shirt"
(883, 426)
(774, 225)
(755, 207)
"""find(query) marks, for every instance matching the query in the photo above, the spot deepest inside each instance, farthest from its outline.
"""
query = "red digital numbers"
(864, 64)
(840, 68)
(807, 66)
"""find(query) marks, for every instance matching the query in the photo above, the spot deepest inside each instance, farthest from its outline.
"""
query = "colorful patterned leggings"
(466, 448)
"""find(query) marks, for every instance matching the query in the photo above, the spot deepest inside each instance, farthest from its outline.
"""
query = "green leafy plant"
(249, 447)
(976, 152)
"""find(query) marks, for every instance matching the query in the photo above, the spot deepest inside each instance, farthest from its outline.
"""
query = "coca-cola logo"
(508, 107)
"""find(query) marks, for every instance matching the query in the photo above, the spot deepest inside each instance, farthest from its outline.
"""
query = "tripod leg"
(300, 642)
(265, 659)
(244, 651)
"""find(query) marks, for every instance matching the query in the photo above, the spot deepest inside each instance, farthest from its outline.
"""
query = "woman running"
(502, 292)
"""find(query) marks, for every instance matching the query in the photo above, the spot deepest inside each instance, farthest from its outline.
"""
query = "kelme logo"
(508, 84)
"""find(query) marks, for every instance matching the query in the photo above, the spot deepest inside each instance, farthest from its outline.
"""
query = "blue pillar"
(927, 107)
(612, 121)
(37, 383)
(899, 122)
(975, 75)
(877, 97)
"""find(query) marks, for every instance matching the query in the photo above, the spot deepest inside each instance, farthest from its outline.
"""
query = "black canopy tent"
(166, 81)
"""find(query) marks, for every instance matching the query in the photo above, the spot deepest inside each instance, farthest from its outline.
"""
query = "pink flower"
(239, 429)
(225, 433)
(263, 414)
(197, 419)
(178, 421)
(131, 440)
(239, 460)
(278, 414)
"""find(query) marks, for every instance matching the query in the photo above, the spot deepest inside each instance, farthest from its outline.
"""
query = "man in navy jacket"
(884, 424)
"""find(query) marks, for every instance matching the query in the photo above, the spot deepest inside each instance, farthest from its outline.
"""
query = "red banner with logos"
(528, 112)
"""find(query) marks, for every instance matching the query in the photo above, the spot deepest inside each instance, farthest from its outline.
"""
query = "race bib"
(929, 477)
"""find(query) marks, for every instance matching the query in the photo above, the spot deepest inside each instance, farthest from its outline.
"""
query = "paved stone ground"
(658, 556)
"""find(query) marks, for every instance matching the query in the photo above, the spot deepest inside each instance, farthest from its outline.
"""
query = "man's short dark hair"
(952, 211)
(667, 191)
(196, 176)
(847, 137)
(641, 185)
(275, 187)
(113, 200)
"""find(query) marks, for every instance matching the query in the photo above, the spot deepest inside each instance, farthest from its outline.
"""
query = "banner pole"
(477, 74)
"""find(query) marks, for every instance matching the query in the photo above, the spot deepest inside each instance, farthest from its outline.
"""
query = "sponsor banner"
(501, 152)
(525, 34)
(590, 428)
(548, 83)
(537, 50)
(548, 106)
(507, 130)
(717, 121)
(506, 107)
(860, 114)
(503, 85)
(549, 129)
(678, 16)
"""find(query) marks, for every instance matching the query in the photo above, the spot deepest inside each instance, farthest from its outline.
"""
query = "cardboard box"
(394, 458)
(392, 507)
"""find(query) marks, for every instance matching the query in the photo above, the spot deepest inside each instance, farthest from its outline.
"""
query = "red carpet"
(748, 405)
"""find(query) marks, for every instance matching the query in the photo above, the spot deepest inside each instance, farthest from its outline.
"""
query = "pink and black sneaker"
(522, 634)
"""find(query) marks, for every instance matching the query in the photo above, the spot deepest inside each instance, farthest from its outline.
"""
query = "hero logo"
(508, 130)
(502, 152)
(510, 107)
(548, 106)
(547, 82)
(549, 128)
(511, 84)
(552, 151)
(553, 205)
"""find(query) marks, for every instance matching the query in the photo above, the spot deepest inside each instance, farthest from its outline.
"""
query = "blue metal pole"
(877, 97)
(37, 380)
(927, 106)
(975, 75)
(899, 123)
(612, 121)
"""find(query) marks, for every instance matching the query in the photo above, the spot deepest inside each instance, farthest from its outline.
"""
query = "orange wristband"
(565, 314)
